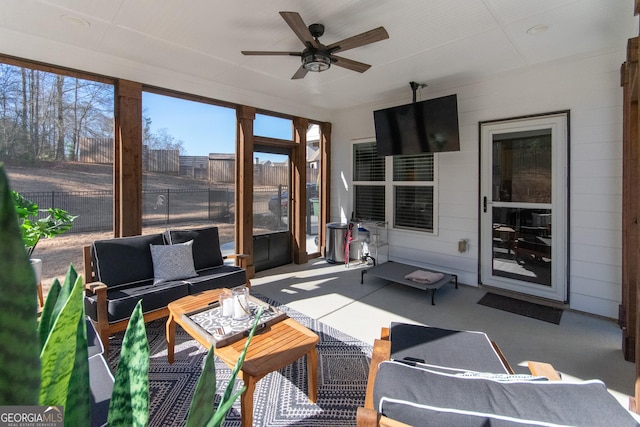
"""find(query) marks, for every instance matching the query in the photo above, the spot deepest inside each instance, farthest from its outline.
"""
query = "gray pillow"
(172, 262)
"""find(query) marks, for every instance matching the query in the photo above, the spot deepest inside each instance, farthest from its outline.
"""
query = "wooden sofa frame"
(99, 289)
(367, 416)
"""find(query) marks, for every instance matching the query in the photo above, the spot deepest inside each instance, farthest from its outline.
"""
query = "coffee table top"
(271, 348)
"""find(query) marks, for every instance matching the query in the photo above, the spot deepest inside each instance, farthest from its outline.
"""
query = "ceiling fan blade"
(350, 64)
(263, 52)
(300, 73)
(368, 37)
(294, 20)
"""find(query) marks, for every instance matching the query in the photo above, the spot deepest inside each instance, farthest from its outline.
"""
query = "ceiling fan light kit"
(315, 60)
(317, 57)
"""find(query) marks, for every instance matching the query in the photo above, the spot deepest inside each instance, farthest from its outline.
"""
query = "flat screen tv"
(429, 126)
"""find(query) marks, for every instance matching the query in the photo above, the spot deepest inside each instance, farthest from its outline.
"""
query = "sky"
(205, 128)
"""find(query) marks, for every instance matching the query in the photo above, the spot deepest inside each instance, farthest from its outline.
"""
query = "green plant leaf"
(129, 404)
(45, 324)
(32, 230)
(58, 356)
(202, 405)
(65, 293)
(77, 408)
(20, 349)
(202, 411)
(240, 361)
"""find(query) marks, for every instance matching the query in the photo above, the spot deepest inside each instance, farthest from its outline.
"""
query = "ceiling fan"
(319, 57)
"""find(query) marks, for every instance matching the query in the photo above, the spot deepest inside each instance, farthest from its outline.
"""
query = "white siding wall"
(590, 89)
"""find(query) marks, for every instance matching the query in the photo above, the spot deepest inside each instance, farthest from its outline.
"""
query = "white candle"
(227, 307)
(239, 307)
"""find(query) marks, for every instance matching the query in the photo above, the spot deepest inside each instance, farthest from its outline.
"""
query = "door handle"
(484, 204)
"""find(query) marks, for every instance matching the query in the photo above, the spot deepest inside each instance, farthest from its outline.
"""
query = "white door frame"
(558, 123)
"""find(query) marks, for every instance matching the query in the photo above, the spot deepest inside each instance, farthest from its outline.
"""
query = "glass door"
(523, 212)
(271, 210)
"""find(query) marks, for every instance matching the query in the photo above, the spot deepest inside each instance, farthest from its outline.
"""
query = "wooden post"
(325, 187)
(244, 185)
(630, 185)
(127, 159)
(628, 317)
(299, 192)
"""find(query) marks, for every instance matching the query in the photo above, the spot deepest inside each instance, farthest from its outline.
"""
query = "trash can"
(336, 239)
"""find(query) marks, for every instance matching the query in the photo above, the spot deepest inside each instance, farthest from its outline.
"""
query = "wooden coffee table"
(270, 350)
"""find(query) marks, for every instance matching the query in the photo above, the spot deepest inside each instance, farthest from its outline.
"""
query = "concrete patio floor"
(581, 347)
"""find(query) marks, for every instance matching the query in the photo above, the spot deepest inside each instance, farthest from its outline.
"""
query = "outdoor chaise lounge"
(423, 376)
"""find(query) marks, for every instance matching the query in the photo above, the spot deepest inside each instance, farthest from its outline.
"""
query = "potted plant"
(47, 362)
(33, 228)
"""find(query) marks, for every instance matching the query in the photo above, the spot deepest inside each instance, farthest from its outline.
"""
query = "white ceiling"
(438, 42)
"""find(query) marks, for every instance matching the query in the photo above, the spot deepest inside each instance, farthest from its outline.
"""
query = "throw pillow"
(172, 262)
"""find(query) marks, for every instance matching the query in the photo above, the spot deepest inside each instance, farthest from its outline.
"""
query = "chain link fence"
(160, 207)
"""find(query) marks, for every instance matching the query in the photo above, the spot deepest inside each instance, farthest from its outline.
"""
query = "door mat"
(523, 308)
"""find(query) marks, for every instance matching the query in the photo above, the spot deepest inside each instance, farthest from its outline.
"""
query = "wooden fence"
(215, 170)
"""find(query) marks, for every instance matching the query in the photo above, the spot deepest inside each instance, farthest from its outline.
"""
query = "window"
(56, 143)
(369, 182)
(409, 179)
(188, 165)
(413, 192)
(367, 166)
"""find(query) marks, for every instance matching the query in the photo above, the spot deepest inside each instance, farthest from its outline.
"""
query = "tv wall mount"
(415, 86)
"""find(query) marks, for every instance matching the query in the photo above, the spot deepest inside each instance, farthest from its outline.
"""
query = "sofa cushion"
(172, 262)
(122, 300)
(444, 347)
(425, 397)
(224, 276)
(125, 259)
(206, 245)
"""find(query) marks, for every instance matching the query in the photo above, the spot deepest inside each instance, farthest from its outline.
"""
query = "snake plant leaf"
(19, 354)
(202, 411)
(129, 406)
(223, 408)
(58, 354)
(65, 292)
(227, 398)
(202, 407)
(77, 408)
(45, 324)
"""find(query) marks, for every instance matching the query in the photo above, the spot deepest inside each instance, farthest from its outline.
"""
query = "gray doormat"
(523, 308)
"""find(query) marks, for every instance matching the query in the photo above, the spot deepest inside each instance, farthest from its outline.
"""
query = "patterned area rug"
(280, 398)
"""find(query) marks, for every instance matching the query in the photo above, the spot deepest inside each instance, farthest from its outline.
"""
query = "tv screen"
(429, 126)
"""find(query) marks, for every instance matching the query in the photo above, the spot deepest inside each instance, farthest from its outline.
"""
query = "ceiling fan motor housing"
(316, 30)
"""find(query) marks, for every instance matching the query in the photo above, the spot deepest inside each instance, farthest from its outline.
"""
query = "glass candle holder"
(226, 304)
(241, 309)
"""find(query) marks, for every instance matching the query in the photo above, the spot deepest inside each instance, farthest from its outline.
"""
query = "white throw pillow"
(172, 262)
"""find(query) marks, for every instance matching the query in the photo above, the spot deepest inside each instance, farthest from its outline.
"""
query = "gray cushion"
(122, 300)
(206, 245)
(444, 347)
(125, 259)
(172, 262)
(425, 397)
(225, 276)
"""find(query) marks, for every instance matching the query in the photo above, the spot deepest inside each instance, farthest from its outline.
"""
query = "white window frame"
(390, 186)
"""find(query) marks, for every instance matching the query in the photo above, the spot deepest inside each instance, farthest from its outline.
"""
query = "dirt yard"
(64, 250)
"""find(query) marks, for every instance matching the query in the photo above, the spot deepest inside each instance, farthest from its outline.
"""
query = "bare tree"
(60, 117)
